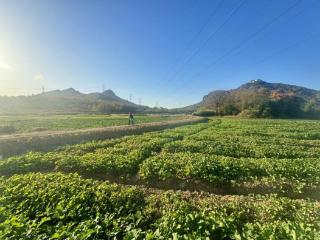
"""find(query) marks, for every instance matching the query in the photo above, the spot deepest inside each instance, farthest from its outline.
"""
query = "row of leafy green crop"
(286, 175)
(215, 140)
(117, 156)
(258, 138)
(294, 129)
(237, 148)
(199, 152)
(58, 206)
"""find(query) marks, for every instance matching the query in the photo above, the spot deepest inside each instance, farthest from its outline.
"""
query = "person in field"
(131, 119)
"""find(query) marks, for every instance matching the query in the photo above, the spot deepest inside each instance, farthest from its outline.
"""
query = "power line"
(296, 43)
(194, 38)
(211, 36)
(251, 36)
(172, 66)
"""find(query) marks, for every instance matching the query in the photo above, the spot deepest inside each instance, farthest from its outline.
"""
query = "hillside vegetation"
(258, 98)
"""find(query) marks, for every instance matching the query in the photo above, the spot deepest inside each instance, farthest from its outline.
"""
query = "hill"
(258, 98)
(68, 101)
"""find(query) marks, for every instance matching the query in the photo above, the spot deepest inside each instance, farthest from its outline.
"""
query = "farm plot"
(205, 156)
(66, 206)
(14, 144)
(36, 123)
(266, 174)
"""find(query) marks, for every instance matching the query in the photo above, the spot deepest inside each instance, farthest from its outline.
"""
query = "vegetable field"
(225, 179)
(32, 123)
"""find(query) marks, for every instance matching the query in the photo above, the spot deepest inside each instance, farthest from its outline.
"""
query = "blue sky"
(166, 52)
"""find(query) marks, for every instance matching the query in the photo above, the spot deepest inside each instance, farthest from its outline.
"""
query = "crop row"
(281, 175)
(66, 206)
(200, 153)
(117, 156)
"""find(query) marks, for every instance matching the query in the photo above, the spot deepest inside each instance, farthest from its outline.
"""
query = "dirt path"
(43, 141)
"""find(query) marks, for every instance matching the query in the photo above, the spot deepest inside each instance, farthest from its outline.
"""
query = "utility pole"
(130, 97)
(42, 89)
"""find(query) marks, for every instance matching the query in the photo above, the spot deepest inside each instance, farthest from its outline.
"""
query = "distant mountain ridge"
(69, 101)
(279, 87)
(258, 98)
(107, 95)
(69, 92)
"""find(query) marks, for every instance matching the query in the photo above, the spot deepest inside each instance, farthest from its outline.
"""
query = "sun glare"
(4, 65)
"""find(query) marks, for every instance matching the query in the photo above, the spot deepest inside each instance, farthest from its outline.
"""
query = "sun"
(4, 65)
